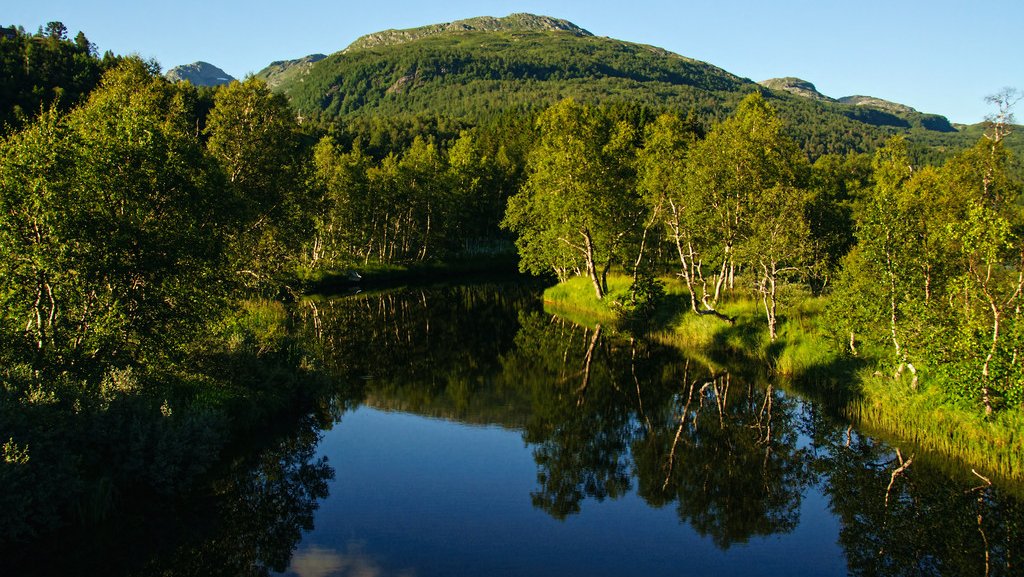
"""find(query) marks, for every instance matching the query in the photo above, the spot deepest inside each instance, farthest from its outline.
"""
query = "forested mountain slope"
(473, 69)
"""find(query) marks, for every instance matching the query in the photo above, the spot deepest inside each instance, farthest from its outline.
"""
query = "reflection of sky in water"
(418, 496)
(354, 562)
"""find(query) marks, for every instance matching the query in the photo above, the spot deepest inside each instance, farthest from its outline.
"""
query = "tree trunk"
(588, 360)
(591, 266)
(426, 237)
(986, 393)
(767, 289)
(721, 280)
(685, 267)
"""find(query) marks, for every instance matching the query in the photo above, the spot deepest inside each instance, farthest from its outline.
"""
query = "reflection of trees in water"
(727, 455)
(604, 414)
(257, 515)
(724, 446)
(578, 418)
(432, 350)
(247, 522)
(607, 408)
(217, 473)
(919, 521)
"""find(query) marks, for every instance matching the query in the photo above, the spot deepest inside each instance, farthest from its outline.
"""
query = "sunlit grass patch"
(577, 296)
(926, 418)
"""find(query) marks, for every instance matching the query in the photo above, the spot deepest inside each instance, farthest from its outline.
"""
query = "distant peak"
(796, 87)
(199, 74)
(519, 22)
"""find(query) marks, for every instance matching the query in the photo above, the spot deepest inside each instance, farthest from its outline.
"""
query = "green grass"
(575, 299)
(799, 349)
(926, 419)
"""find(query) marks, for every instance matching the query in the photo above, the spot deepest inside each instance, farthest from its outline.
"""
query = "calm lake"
(463, 430)
(492, 438)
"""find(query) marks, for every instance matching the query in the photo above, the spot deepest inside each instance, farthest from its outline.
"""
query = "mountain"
(878, 104)
(796, 87)
(199, 74)
(865, 109)
(285, 71)
(471, 70)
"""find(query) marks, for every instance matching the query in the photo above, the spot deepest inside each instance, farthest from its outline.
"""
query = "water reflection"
(920, 521)
(246, 522)
(606, 415)
(353, 562)
(717, 445)
(608, 411)
(260, 513)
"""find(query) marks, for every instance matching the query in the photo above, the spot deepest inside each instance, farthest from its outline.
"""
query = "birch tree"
(576, 209)
(749, 175)
(661, 182)
(253, 136)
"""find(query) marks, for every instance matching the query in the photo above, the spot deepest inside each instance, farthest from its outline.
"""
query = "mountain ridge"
(281, 71)
(517, 22)
(521, 58)
(469, 70)
(796, 87)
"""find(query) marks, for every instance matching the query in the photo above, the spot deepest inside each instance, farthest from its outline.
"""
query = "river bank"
(806, 359)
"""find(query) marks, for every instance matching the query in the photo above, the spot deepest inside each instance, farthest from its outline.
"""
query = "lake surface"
(463, 430)
(421, 496)
(492, 438)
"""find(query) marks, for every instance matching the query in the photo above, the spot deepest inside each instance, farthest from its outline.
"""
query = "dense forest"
(141, 220)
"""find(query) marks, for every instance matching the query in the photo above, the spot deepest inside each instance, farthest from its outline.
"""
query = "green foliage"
(836, 182)
(425, 203)
(638, 307)
(577, 208)
(109, 224)
(253, 136)
(465, 76)
(935, 276)
(43, 71)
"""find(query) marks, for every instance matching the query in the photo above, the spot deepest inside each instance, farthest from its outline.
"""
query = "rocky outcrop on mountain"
(877, 103)
(199, 74)
(796, 87)
(513, 23)
(282, 71)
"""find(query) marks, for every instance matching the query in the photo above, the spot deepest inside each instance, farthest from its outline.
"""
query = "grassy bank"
(924, 418)
(799, 350)
(810, 361)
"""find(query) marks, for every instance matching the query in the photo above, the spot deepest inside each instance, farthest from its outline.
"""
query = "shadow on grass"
(834, 384)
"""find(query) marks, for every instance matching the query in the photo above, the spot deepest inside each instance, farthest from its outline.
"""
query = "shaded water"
(467, 432)
(496, 439)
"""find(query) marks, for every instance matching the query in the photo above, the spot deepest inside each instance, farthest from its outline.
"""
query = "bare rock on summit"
(796, 87)
(520, 22)
(282, 71)
(878, 104)
(199, 74)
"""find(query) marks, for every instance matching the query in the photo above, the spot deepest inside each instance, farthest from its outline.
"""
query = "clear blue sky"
(939, 56)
